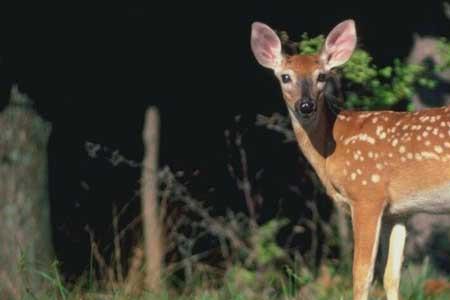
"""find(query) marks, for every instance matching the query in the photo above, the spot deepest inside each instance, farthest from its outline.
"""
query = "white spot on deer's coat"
(366, 138)
(429, 155)
(438, 149)
(362, 137)
(379, 130)
(375, 178)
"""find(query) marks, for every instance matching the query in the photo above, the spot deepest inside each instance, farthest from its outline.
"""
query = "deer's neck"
(317, 143)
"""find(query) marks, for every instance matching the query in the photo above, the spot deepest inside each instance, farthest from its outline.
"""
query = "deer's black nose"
(305, 106)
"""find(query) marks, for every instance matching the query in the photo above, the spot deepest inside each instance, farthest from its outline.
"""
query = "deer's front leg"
(366, 220)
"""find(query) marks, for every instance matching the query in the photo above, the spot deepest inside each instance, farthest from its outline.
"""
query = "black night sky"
(93, 70)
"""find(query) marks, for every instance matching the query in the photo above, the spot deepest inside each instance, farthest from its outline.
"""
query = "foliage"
(309, 45)
(375, 88)
(444, 51)
(266, 247)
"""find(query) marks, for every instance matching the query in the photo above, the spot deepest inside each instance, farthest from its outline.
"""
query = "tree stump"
(25, 231)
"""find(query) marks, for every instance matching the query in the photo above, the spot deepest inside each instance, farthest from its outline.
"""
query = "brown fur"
(416, 144)
(303, 65)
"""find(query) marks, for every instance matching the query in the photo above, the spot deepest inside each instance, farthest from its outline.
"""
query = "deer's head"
(305, 79)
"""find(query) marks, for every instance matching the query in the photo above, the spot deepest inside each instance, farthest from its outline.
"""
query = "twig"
(117, 250)
(243, 181)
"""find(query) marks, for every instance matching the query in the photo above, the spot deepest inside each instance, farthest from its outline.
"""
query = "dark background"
(93, 70)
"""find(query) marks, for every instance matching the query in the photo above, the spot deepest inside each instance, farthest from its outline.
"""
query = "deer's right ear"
(266, 45)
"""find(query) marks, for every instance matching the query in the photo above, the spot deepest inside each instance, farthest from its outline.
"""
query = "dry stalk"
(153, 246)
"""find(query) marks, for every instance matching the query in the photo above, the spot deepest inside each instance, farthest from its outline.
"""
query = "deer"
(383, 166)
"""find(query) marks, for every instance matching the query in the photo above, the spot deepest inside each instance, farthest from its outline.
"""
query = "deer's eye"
(285, 78)
(322, 77)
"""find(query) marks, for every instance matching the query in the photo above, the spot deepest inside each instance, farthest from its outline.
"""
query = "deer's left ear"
(339, 45)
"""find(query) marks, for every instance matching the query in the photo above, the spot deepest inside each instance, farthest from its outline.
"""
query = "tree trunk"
(25, 232)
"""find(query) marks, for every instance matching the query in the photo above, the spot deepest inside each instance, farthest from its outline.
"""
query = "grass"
(419, 282)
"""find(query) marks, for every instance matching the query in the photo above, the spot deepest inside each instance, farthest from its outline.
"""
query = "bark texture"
(25, 232)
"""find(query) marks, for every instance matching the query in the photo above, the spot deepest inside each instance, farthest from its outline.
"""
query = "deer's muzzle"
(305, 107)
